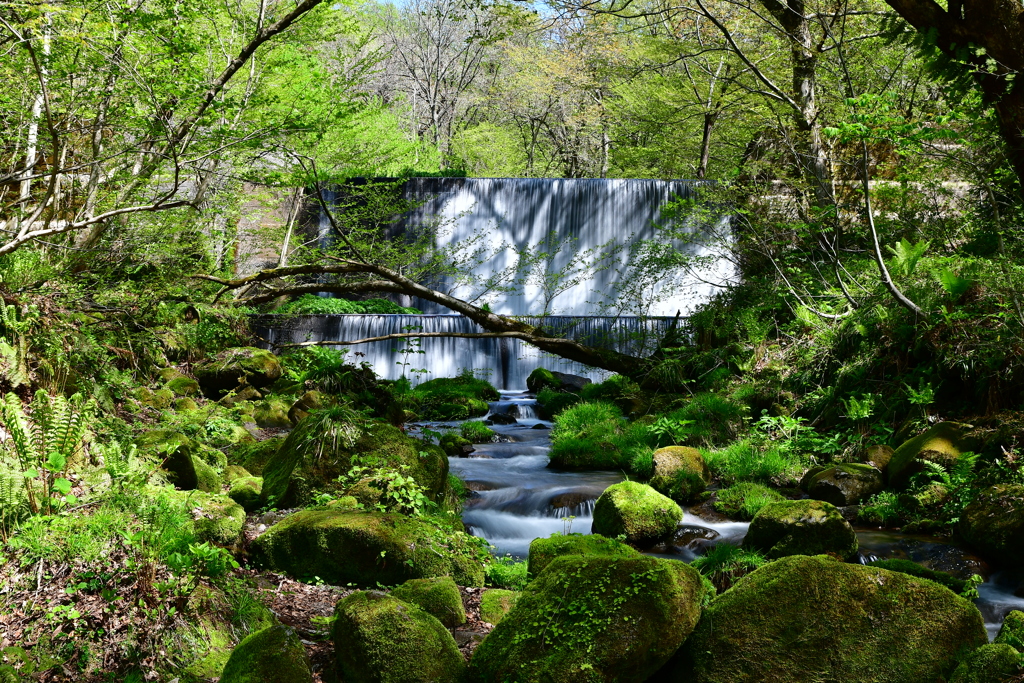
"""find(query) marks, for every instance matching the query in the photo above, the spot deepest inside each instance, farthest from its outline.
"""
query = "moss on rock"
(438, 596)
(329, 442)
(237, 366)
(817, 619)
(680, 473)
(914, 569)
(272, 414)
(636, 510)
(273, 655)
(588, 618)
(994, 524)
(185, 405)
(216, 518)
(246, 492)
(847, 484)
(544, 550)
(184, 460)
(994, 663)
(183, 386)
(495, 603)
(381, 639)
(255, 456)
(801, 527)
(941, 444)
(345, 546)
(454, 398)
(1012, 630)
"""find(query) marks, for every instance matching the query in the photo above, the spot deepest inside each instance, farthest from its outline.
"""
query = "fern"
(907, 255)
(954, 285)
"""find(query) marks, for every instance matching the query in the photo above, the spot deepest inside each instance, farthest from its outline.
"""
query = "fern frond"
(16, 424)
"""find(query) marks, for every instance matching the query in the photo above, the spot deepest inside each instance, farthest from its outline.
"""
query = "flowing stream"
(518, 498)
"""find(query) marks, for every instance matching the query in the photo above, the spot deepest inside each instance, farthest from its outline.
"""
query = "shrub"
(554, 403)
(507, 572)
(710, 419)
(749, 460)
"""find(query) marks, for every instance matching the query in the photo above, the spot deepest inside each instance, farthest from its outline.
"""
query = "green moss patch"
(680, 473)
(744, 500)
(273, 655)
(544, 550)
(637, 511)
(495, 603)
(801, 527)
(439, 597)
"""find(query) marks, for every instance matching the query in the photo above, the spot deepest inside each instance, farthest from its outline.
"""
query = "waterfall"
(488, 222)
(506, 363)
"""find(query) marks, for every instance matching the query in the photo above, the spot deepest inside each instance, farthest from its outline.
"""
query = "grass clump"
(476, 432)
(745, 499)
(595, 436)
(755, 460)
(724, 564)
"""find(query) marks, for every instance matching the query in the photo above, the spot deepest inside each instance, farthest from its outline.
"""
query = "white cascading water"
(502, 217)
(560, 216)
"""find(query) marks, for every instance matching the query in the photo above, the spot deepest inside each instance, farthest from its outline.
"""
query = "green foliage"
(754, 459)
(906, 256)
(882, 508)
(476, 432)
(594, 435)
(555, 402)
(311, 304)
(507, 572)
(726, 563)
(745, 499)
(46, 445)
(400, 491)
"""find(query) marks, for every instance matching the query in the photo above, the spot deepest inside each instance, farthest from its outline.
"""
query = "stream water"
(519, 498)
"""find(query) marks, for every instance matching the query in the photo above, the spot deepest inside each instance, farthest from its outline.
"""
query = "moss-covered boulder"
(454, 398)
(544, 550)
(745, 499)
(185, 405)
(994, 524)
(914, 569)
(307, 403)
(847, 484)
(273, 655)
(680, 473)
(455, 446)
(329, 442)
(801, 527)
(942, 444)
(255, 456)
(439, 597)
(216, 518)
(1012, 630)
(184, 460)
(817, 619)
(240, 366)
(636, 510)
(495, 603)
(878, 456)
(542, 378)
(381, 639)
(588, 618)
(235, 472)
(183, 386)
(345, 546)
(159, 399)
(994, 663)
(272, 414)
(246, 492)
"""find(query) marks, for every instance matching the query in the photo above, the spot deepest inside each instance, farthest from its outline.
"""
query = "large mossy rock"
(848, 484)
(544, 550)
(185, 461)
(272, 414)
(329, 442)
(942, 444)
(246, 492)
(994, 524)
(454, 398)
(803, 619)
(637, 511)
(680, 473)
(542, 378)
(241, 366)
(273, 655)
(993, 663)
(367, 548)
(801, 527)
(439, 597)
(381, 639)
(307, 403)
(589, 618)
(216, 518)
